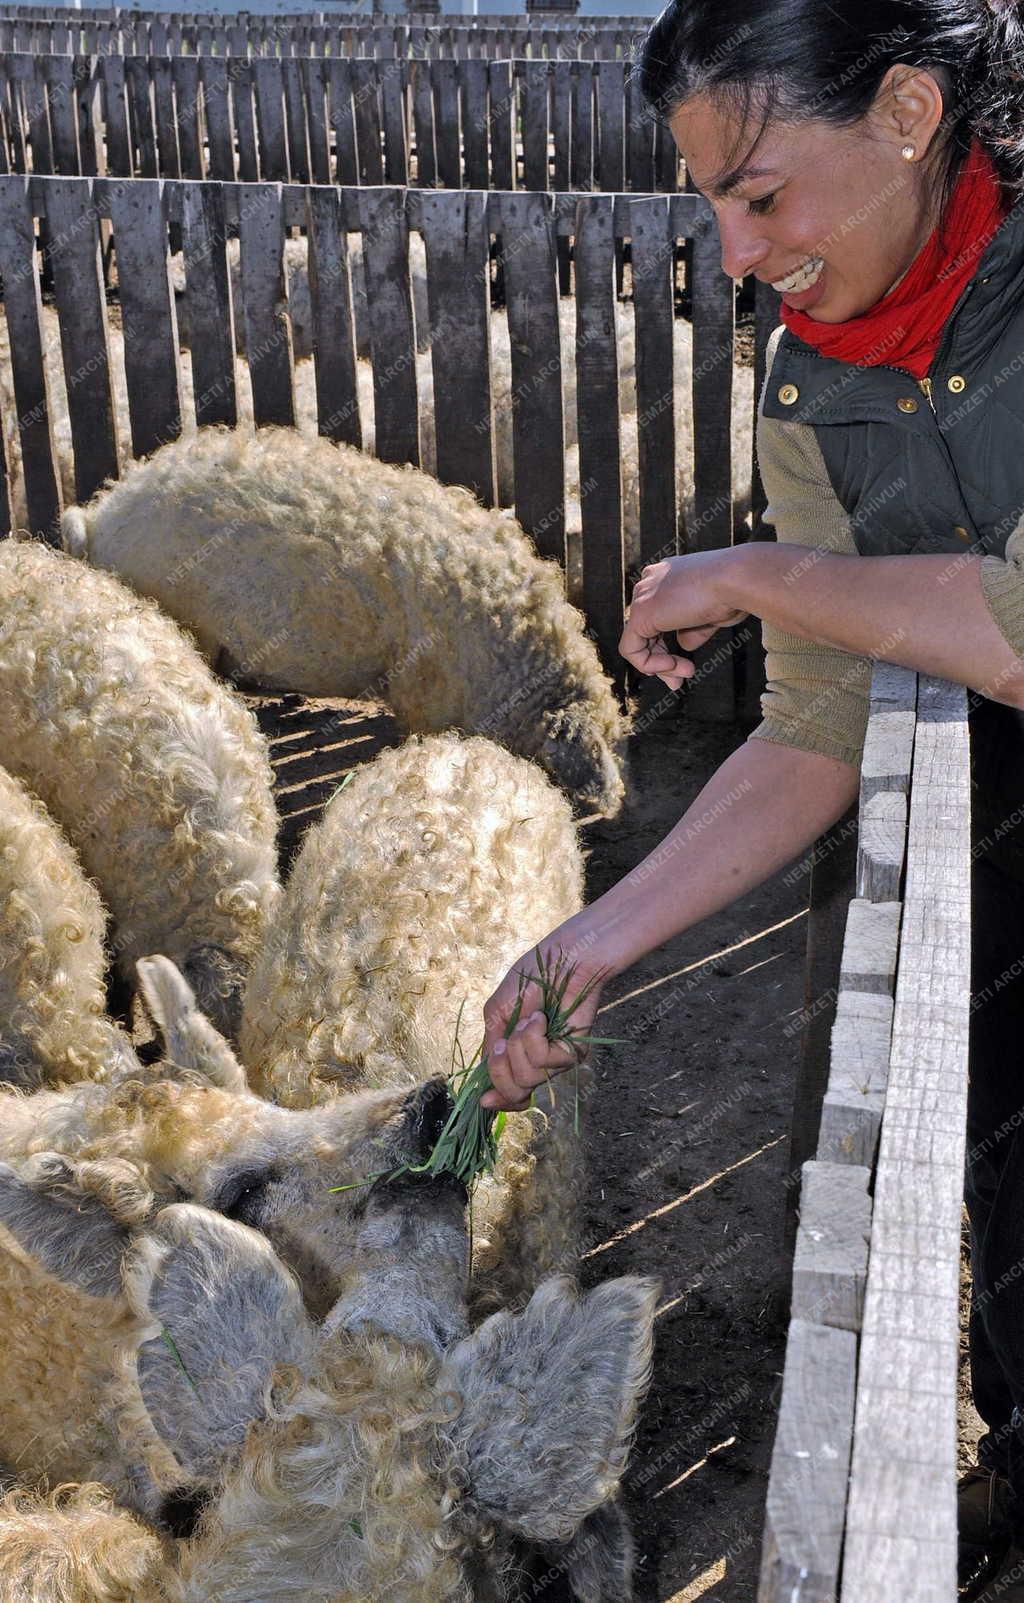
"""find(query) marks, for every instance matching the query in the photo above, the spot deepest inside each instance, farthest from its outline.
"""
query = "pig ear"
(74, 1221)
(190, 1040)
(221, 1312)
(549, 1401)
(74, 532)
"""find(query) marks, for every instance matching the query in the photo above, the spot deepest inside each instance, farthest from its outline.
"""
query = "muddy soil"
(688, 1146)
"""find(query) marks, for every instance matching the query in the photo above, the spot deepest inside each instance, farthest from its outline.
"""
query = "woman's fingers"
(524, 1061)
(650, 655)
(507, 1093)
(499, 1008)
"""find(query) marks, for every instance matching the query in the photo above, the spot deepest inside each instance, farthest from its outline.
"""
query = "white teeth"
(802, 279)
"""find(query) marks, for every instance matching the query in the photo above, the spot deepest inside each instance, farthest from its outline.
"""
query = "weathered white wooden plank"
(851, 1114)
(888, 750)
(807, 1487)
(885, 776)
(831, 1259)
(868, 962)
(881, 846)
(901, 1521)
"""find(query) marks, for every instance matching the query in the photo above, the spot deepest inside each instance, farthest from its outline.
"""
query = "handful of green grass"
(468, 1145)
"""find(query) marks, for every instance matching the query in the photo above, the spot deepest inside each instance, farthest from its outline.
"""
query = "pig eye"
(240, 1196)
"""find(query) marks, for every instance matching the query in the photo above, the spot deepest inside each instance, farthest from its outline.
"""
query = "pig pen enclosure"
(124, 391)
(545, 364)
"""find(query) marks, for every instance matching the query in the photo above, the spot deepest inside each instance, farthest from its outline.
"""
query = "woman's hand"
(528, 1058)
(684, 594)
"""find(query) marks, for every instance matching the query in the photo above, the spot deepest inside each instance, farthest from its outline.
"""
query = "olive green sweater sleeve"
(1002, 584)
(816, 696)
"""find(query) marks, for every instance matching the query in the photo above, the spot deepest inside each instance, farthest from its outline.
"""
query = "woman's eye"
(763, 204)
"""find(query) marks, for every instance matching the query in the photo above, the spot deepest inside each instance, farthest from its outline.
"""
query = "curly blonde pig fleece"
(52, 997)
(77, 1546)
(429, 873)
(312, 567)
(156, 772)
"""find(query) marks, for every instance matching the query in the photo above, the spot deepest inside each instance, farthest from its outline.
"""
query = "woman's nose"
(743, 246)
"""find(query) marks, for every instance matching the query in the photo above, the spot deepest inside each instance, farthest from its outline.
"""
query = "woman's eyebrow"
(731, 181)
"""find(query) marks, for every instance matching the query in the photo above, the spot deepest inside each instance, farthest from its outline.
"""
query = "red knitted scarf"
(903, 328)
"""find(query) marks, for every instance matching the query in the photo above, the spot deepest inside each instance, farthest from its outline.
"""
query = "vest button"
(960, 531)
(956, 383)
(788, 394)
(906, 403)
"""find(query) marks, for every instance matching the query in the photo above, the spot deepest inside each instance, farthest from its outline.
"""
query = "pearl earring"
(908, 152)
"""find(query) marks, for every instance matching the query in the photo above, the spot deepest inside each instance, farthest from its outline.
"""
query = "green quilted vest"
(935, 464)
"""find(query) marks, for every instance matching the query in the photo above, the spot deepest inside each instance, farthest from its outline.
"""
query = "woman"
(864, 157)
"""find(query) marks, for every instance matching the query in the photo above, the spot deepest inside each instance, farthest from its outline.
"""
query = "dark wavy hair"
(800, 59)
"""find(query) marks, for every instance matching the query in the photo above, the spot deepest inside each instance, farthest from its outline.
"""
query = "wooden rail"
(474, 124)
(461, 232)
(589, 38)
(861, 1498)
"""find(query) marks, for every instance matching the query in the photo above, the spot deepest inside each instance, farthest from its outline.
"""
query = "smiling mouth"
(803, 278)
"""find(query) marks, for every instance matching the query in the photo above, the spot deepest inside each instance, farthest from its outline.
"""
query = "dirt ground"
(688, 1142)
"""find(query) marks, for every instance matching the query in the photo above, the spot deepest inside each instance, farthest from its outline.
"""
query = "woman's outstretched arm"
(765, 805)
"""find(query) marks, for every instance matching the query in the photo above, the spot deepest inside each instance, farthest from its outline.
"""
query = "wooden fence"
(457, 231)
(490, 38)
(862, 1494)
(475, 124)
(349, 16)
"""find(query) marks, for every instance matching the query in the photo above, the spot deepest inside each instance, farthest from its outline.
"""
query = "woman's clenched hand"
(683, 595)
(527, 1058)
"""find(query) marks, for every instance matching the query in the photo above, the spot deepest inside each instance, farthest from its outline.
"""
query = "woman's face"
(841, 197)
